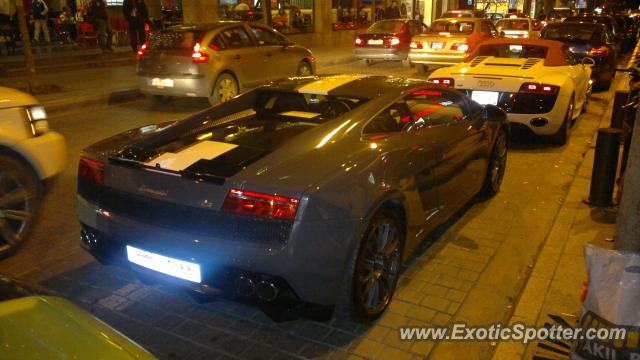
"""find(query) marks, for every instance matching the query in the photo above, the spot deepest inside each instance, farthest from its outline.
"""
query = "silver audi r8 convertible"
(309, 189)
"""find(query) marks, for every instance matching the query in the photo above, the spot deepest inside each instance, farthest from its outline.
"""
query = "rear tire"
(20, 198)
(562, 136)
(497, 166)
(225, 88)
(373, 270)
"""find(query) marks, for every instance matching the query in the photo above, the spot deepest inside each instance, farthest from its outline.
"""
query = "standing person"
(135, 11)
(393, 11)
(39, 10)
(68, 22)
(97, 14)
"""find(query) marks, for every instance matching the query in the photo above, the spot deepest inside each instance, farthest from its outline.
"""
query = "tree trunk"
(26, 46)
(628, 221)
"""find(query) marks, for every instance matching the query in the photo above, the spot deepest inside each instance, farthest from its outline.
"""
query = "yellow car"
(47, 327)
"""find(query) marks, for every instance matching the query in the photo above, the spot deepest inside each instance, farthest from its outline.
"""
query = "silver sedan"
(217, 60)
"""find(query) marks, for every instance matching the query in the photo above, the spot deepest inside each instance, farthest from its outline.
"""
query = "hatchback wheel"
(20, 194)
(225, 88)
(374, 270)
(304, 69)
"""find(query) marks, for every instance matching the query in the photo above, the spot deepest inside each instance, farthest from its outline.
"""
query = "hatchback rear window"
(452, 27)
(174, 40)
(386, 27)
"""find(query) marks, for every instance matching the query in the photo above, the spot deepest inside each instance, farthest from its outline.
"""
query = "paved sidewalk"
(555, 283)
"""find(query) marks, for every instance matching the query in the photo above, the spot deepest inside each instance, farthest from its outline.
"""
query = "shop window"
(242, 10)
(292, 16)
(360, 14)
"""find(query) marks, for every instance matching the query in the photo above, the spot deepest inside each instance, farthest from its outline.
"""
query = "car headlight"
(38, 120)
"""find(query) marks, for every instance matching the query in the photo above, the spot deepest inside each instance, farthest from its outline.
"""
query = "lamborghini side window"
(434, 108)
(392, 119)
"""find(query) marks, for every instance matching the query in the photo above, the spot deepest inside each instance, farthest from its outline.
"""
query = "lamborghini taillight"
(262, 205)
(91, 170)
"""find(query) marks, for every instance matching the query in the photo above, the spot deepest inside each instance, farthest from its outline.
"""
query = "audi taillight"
(460, 46)
(197, 56)
(415, 45)
(535, 88)
(142, 49)
(600, 51)
(262, 205)
(394, 41)
(359, 41)
(443, 81)
(91, 170)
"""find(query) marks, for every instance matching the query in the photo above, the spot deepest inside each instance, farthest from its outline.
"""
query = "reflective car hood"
(44, 327)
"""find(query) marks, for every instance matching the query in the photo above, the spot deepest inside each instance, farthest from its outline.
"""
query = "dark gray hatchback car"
(311, 189)
(217, 61)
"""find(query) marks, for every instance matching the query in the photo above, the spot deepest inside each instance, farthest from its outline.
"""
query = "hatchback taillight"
(197, 56)
(460, 46)
(262, 205)
(91, 170)
(443, 81)
(535, 88)
(394, 41)
(415, 45)
(142, 49)
(359, 42)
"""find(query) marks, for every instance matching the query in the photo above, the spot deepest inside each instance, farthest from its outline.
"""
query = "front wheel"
(225, 89)
(374, 269)
(497, 166)
(20, 196)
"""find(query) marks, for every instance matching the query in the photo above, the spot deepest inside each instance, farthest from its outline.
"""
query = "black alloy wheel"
(562, 136)
(304, 69)
(497, 166)
(20, 194)
(377, 266)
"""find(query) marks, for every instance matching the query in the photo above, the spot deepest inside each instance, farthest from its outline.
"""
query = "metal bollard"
(617, 115)
(605, 166)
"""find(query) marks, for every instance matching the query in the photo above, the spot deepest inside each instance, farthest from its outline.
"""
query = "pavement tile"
(201, 353)
(394, 354)
(339, 338)
(172, 347)
(434, 290)
(283, 341)
(113, 302)
(453, 308)
(399, 307)
(366, 348)
(409, 295)
(392, 320)
(168, 322)
(259, 352)
(393, 339)
(316, 350)
(235, 345)
(142, 312)
(377, 333)
(345, 325)
(468, 275)
(437, 303)
(441, 319)
(189, 329)
(456, 295)
(313, 331)
(421, 313)
(422, 348)
(454, 283)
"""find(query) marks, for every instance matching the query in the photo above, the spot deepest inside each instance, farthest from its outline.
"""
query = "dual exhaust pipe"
(265, 290)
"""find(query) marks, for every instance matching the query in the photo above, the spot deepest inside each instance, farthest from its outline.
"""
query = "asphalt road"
(471, 269)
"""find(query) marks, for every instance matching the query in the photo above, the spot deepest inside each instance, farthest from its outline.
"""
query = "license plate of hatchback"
(436, 45)
(375, 42)
(161, 83)
(485, 97)
(166, 265)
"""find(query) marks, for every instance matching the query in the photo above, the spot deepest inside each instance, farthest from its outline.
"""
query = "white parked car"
(518, 28)
(29, 154)
(538, 83)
